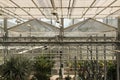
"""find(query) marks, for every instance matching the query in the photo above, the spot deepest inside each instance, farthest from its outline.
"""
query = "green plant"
(42, 68)
(91, 70)
(112, 72)
(16, 68)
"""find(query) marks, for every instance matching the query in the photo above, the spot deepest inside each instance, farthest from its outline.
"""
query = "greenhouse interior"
(59, 39)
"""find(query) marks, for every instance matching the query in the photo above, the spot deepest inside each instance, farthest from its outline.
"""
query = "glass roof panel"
(89, 25)
(34, 25)
(109, 11)
(6, 3)
(65, 3)
(117, 3)
(43, 3)
(33, 28)
(93, 11)
(101, 16)
(76, 16)
(19, 11)
(24, 3)
(78, 7)
(103, 2)
(79, 11)
(63, 11)
(88, 15)
(34, 11)
(83, 3)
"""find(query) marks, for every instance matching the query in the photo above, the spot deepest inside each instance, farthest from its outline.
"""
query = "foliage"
(90, 70)
(16, 68)
(111, 72)
(93, 70)
(42, 67)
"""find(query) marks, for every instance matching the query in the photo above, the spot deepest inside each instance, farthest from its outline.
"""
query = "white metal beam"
(104, 8)
(38, 8)
(88, 8)
(21, 8)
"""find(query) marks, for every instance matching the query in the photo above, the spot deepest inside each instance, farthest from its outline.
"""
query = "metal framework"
(53, 40)
(65, 9)
(88, 40)
(21, 8)
(105, 8)
(63, 46)
(63, 36)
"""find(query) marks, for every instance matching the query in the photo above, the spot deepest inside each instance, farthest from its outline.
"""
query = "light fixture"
(54, 12)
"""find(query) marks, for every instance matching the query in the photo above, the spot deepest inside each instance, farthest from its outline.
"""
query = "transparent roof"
(29, 9)
(90, 25)
(33, 28)
(38, 28)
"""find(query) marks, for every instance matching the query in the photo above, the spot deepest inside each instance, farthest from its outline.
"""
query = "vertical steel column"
(97, 59)
(87, 53)
(105, 62)
(91, 52)
(68, 60)
(96, 49)
(77, 50)
(62, 29)
(5, 27)
(61, 67)
(5, 38)
(81, 56)
(118, 53)
(49, 52)
(61, 34)
(75, 59)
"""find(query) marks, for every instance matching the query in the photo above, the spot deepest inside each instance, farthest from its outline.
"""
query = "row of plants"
(22, 68)
(94, 70)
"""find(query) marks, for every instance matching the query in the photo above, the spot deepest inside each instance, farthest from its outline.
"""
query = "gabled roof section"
(90, 25)
(34, 25)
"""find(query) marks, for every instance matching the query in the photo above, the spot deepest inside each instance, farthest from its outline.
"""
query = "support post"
(5, 28)
(61, 67)
(62, 29)
(81, 56)
(75, 67)
(105, 62)
(5, 39)
(118, 53)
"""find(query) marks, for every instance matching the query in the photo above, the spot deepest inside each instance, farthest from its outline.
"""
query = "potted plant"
(42, 67)
(16, 68)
